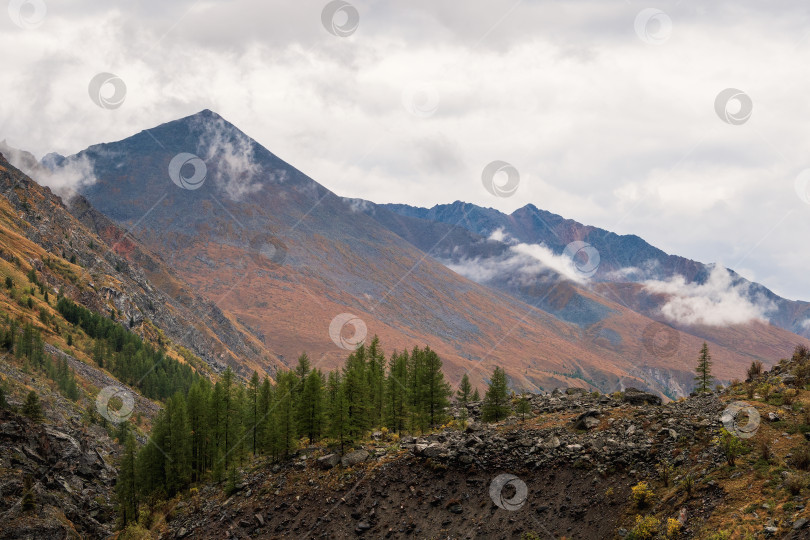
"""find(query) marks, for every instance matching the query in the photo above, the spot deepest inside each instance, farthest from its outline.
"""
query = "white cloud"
(237, 172)
(805, 324)
(717, 302)
(524, 262)
(64, 179)
(500, 235)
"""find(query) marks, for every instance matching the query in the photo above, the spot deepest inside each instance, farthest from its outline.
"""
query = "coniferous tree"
(523, 407)
(357, 390)
(197, 407)
(337, 409)
(703, 376)
(227, 416)
(178, 466)
(437, 390)
(253, 411)
(265, 424)
(464, 391)
(476, 397)
(285, 413)
(416, 377)
(125, 485)
(311, 407)
(397, 392)
(32, 407)
(375, 375)
(301, 371)
(151, 461)
(241, 444)
(496, 399)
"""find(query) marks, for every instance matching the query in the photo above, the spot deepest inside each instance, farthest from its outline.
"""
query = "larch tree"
(496, 399)
(703, 371)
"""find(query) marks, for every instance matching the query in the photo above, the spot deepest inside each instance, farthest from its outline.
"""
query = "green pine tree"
(357, 391)
(396, 412)
(253, 412)
(311, 407)
(32, 407)
(337, 409)
(703, 376)
(285, 414)
(464, 390)
(496, 399)
(125, 485)
(523, 407)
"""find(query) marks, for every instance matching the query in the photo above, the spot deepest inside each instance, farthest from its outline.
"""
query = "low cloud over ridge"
(717, 302)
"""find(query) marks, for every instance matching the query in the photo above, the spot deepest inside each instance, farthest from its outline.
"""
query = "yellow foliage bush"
(641, 494)
(646, 528)
(673, 528)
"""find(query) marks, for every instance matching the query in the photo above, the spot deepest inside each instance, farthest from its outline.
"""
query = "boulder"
(587, 420)
(634, 396)
(434, 450)
(353, 458)
(328, 461)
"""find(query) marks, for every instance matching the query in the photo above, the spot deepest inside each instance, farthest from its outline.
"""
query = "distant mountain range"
(288, 263)
(622, 258)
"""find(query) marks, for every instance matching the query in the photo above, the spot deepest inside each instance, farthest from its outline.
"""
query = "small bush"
(800, 458)
(646, 528)
(688, 484)
(673, 528)
(730, 445)
(665, 471)
(765, 452)
(795, 483)
(641, 494)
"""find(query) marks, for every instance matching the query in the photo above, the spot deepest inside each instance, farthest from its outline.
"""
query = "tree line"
(28, 345)
(127, 356)
(206, 432)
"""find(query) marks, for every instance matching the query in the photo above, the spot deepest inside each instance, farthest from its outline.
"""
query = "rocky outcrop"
(56, 482)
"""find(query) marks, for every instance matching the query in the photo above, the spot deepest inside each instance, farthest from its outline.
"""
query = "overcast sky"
(607, 109)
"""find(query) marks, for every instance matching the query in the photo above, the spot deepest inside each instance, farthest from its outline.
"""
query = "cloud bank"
(717, 302)
(524, 262)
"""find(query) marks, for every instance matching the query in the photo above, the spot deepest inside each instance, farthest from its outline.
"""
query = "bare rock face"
(57, 482)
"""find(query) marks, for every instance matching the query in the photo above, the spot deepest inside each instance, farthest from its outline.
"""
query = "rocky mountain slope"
(284, 258)
(110, 269)
(580, 466)
(623, 259)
